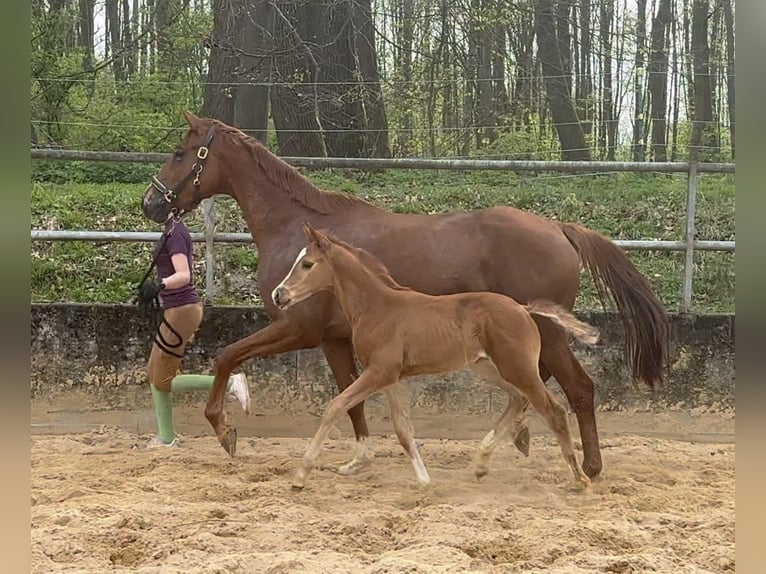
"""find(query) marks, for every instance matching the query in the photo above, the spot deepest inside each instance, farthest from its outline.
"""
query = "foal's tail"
(581, 331)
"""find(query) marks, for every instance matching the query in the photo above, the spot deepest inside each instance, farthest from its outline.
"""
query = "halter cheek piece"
(170, 194)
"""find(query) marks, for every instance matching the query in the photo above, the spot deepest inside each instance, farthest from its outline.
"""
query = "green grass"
(623, 206)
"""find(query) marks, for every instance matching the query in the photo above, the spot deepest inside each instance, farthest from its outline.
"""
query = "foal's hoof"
(481, 472)
(521, 440)
(354, 466)
(582, 483)
(228, 440)
(299, 480)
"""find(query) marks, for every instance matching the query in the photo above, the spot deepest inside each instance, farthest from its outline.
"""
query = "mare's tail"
(643, 315)
(581, 331)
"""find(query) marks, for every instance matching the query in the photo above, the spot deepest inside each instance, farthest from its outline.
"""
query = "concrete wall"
(101, 350)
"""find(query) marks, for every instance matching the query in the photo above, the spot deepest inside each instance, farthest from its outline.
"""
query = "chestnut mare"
(500, 249)
(398, 333)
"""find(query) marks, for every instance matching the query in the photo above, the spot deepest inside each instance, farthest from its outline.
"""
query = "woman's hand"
(149, 291)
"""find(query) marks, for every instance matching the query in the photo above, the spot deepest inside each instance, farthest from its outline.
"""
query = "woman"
(181, 318)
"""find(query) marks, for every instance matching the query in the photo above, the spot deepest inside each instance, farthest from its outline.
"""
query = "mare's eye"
(307, 264)
(179, 153)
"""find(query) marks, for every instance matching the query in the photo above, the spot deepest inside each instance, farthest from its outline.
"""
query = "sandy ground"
(102, 502)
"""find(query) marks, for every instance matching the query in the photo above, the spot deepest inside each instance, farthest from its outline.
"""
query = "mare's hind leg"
(340, 356)
(399, 402)
(577, 386)
(516, 409)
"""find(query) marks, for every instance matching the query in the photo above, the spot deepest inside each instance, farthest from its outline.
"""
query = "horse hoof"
(521, 440)
(591, 470)
(480, 473)
(354, 467)
(228, 440)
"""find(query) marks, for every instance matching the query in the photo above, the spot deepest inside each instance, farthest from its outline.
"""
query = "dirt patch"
(100, 501)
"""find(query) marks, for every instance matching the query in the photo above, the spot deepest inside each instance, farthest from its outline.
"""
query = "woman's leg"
(177, 328)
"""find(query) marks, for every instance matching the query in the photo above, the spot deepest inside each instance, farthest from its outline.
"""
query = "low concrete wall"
(101, 350)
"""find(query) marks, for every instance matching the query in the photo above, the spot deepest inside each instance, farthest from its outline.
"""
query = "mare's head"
(193, 173)
(312, 272)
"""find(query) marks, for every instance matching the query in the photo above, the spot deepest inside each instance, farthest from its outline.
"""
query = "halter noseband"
(170, 194)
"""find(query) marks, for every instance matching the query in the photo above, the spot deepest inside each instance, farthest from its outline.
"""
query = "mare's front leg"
(340, 356)
(372, 380)
(280, 336)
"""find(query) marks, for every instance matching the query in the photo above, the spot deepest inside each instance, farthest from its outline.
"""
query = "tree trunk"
(728, 15)
(340, 102)
(638, 82)
(113, 23)
(658, 80)
(703, 135)
(251, 107)
(376, 136)
(86, 32)
(126, 56)
(219, 95)
(571, 137)
(295, 97)
(584, 86)
(405, 87)
(606, 141)
(563, 9)
(485, 117)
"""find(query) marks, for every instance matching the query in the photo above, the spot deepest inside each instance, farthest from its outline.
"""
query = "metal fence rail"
(689, 245)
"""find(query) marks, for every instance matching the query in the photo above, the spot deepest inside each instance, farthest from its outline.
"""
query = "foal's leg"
(370, 381)
(493, 437)
(517, 405)
(577, 386)
(527, 379)
(278, 337)
(399, 403)
(340, 356)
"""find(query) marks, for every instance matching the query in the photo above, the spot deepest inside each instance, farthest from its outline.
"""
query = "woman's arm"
(182, 276)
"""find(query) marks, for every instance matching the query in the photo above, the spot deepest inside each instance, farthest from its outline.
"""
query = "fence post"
(691, 211)
(209, 222)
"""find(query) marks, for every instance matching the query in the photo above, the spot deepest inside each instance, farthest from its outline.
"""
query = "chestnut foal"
(398, 332)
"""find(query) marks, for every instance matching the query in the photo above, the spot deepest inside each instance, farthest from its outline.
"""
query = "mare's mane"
(285, 177)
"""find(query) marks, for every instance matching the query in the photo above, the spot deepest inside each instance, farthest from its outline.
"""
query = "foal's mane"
(368, 260)
(286, 177)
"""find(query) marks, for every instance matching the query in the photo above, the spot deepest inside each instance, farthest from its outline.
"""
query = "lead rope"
(155, 309)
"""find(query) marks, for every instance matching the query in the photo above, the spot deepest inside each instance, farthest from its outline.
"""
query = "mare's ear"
(191, 119)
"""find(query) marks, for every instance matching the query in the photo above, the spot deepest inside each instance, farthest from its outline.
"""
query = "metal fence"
(689, 245)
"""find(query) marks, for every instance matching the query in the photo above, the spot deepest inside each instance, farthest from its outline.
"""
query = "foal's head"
(310, 273)
(193, 173)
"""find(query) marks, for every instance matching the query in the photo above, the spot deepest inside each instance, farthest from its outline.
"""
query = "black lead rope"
(159, 339)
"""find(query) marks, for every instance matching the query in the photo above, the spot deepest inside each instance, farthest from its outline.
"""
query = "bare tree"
(638, 82)
(571, 136)
(255, 36)
(729, 23)
(658, 80)
(703, 136)
(372, 95)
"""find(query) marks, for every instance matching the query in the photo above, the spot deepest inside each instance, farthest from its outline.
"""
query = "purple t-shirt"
(179, 241)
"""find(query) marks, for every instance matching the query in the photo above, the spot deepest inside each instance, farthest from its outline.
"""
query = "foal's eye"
(179, 153)
(307, 264)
